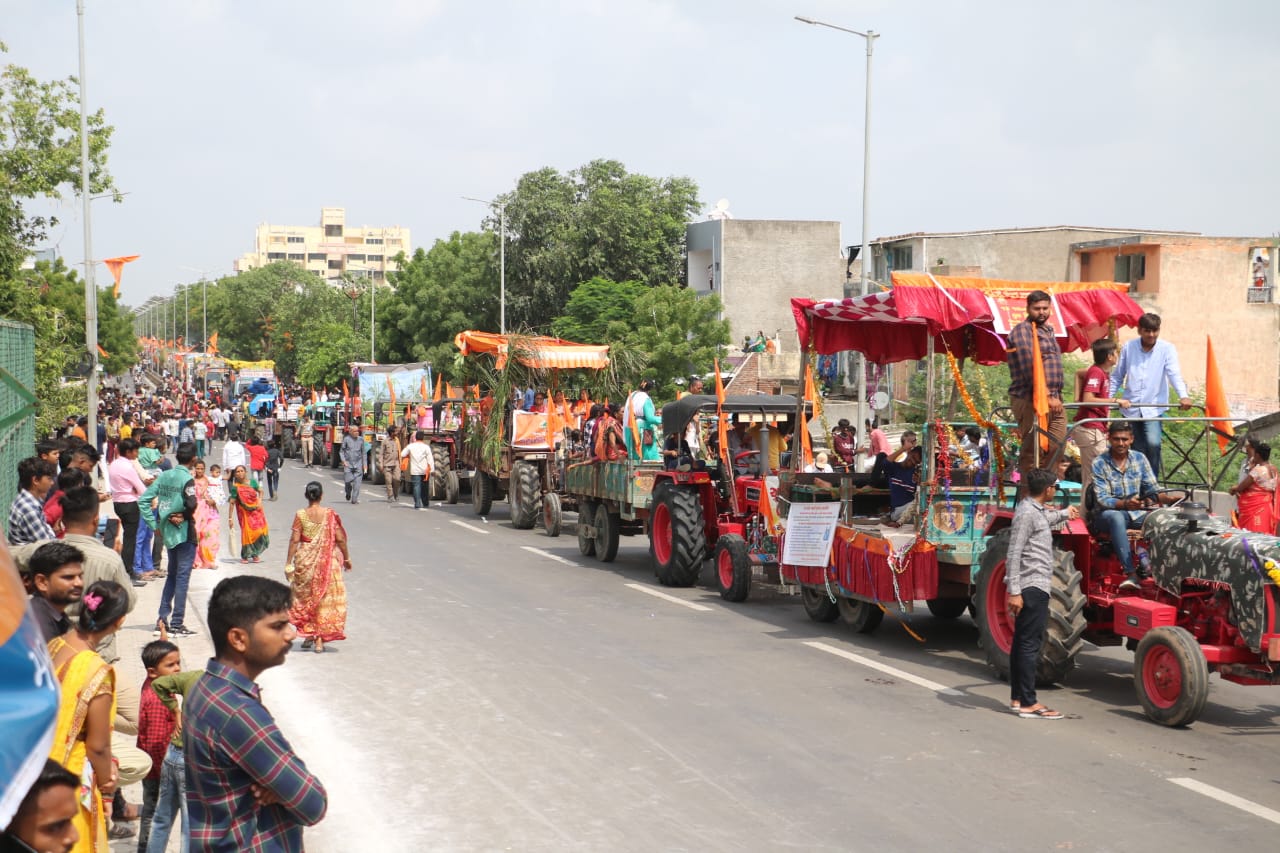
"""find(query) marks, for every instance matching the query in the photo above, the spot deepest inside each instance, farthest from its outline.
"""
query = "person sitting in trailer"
(819, 465)
(844, 441)
(902, 477)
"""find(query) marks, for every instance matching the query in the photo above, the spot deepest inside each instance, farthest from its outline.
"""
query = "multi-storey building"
(330, 248)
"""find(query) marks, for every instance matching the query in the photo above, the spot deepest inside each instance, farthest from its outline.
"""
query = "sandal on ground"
(318, 648)
(1039, 712)
(257, 559)
(119, 831)
(132, 811)
(1015, 707)
(308, 642)
(244, 561)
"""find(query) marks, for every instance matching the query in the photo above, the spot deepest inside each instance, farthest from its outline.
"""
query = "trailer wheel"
(948, 608)
(451, 487)
(677, 539)
(586, 528)
(551, 515)
(606, 534)
(482, 493)
(379, 476)
(1171, 676)
(862, 616)
(818, 605)
(525, 495)
(439, 475)
(1065, 634)
(733, 567)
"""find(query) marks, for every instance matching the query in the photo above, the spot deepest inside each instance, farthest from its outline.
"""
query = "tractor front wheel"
(551, 516)
(1171, 676)
(677, 539)
(525, 495)
(451, 487)
(733, 567)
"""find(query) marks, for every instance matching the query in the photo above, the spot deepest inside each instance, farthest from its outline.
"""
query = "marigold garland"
(997, 442)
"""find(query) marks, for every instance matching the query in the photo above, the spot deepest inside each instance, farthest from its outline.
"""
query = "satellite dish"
(721, 211)
(879, 401)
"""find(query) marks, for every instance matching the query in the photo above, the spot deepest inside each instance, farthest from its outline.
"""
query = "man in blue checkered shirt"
(246, 789)
(26, 515)
(1126, 488)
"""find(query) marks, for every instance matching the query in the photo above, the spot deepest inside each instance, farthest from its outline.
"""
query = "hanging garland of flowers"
(997, 439)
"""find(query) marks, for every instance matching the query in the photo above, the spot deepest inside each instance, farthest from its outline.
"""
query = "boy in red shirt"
(155, 726)
(1092, 386)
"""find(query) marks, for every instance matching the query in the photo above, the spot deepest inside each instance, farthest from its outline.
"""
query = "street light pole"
(502, 258)
(90, 289)
(870, 37)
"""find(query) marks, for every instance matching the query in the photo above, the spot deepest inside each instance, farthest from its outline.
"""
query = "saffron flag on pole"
(1039, 392)
(1215, 398)
(722, 426)
(436, 398)
(810, 398)
(116, 265)
(212, 345)
(103, 352)
(391, 392)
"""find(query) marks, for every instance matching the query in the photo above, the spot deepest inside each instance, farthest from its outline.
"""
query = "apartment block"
(330, 248)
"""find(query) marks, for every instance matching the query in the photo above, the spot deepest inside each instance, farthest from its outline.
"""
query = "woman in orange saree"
(207, 516)
(253, 522)
(1256, 505)
(86, 709)
(317, 558)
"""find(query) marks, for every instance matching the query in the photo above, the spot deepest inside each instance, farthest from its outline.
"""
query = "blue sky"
(229, 113)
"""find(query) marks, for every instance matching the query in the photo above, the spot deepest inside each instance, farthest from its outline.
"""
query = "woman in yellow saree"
(87, 708)
(253, 522)
(317, 558)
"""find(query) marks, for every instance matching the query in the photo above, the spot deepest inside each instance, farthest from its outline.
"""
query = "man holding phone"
(1126, 488)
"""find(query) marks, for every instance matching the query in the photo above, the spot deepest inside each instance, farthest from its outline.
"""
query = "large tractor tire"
(525, 495)
(1171, 676)
(452, 488)
(818, 605)
(677, 539)
(733, 567)
(1064, 637)
(482, 493)
(586, 528)
(948, 608)
(439, 486)
(552, 518)
(607, 525)
(378, 476)
(862, 616)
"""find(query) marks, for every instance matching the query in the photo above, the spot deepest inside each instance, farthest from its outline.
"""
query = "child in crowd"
(155, 727)
(171, 798)
(149, 455)
(217, 486)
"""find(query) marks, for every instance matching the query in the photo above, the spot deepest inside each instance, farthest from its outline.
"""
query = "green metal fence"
(17, 406)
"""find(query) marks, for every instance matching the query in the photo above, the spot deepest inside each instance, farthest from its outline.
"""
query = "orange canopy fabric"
(540, 353)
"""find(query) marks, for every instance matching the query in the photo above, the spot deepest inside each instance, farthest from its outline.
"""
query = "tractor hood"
(676, 416)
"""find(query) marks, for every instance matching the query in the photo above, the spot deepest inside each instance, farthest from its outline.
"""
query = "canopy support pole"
(929, 413)
(797, 443)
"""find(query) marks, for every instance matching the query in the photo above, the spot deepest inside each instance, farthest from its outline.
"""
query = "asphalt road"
(500, 692)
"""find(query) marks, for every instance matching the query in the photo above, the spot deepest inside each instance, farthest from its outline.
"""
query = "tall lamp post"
(870, 37)
(90, 289)
(502, 257)
(355, 294)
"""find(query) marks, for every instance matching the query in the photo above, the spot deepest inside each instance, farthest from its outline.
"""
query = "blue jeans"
(1116, 523)
(142, 561)
(416, 481)
(1146, 440)
(172, 801)
(150, 796)
(173, 598)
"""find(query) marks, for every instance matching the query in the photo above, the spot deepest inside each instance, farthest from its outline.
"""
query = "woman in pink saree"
(207, 518)
(1256, 505)
(317, 558)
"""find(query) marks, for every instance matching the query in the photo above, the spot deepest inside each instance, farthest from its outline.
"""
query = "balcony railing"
(1259, 294)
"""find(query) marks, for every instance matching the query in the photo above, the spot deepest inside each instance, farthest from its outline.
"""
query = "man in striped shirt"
(246, 789)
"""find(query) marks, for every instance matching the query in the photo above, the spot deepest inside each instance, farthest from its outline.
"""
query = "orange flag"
(116, 265)
(810, 397)
(391, 391)
(1039, 391)
(722, 425)
(103, 352)
(315, 398)
(436, 398)
(346, 393)
(422, 388)
(1215, 397)
(212, 346)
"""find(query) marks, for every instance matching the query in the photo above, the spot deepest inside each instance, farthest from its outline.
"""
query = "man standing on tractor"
(1029, 578)
(1035, 335)
(1147, 367)
(1125, 487)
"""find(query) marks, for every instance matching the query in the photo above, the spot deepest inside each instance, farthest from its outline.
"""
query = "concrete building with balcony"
(1218, 287)
(330, 248)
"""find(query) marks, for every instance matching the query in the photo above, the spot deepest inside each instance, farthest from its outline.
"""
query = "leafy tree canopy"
(679, 332)
(598, 311)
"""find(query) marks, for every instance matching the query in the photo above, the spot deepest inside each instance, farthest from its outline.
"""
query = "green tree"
(596, 221)
(324, 351)
(679, 332)
(439, 292)
(599, 310)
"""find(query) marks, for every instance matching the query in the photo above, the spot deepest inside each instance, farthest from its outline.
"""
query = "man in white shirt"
(1146, 369)
(422, 463)
(234, 455)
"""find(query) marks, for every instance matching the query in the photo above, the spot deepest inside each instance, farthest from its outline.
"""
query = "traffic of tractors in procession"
(1211, 605)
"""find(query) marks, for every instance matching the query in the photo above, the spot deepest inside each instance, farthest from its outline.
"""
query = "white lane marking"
(886, 669)
(647, 590)
(1228, 798)
(548, 555)
(469, 527)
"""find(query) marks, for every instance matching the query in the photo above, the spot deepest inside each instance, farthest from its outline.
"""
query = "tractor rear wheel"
(551, 515)
(948, 608)
(439, 474)
(482, 493)
(818, 605)
(451, 487)
(1171, 676)
(525, 495)
(733, 567)
(586, 528)
(1066, 623)
(862, 616)
(606, 534)
(677, 539)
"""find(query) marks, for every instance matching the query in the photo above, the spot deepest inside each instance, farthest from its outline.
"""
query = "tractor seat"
(1091, 511)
